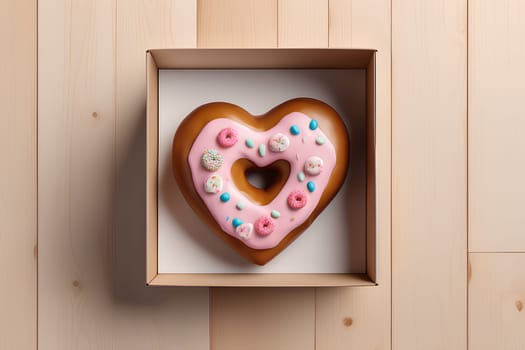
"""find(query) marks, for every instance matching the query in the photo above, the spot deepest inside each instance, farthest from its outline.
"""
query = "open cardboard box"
(256, 60)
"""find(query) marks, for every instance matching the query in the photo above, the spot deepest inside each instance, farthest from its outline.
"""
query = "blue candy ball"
(313, 124)
(310, 186)
(294, 130)
(225, 197)
(237, 222)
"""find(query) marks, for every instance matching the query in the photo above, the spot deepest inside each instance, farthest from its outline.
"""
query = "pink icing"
(301, 147)
(297, 199)
(264, 225)
(227, 137)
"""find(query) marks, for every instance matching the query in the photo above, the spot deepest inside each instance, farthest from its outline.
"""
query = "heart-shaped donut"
(303, 143)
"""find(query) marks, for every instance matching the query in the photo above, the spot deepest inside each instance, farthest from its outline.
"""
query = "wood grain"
(429, 175)
(91, 261)
(341, 22)
(237, 23)
(18, 181)
(359, 318)
(496, 122)
(303, 23)
(497, 301)
(262, 318)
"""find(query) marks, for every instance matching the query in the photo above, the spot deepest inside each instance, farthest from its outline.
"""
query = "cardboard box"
(246, 64)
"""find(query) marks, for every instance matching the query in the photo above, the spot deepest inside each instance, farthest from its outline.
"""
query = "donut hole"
(260, 184)
(262, 178)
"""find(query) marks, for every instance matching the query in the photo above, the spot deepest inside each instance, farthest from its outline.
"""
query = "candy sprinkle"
(262, 150)
(275, 214)
(249, 143)
(237, 222)
(320, 140)
(225, 197)
(310, 186)
(212, 160)
(244, 230)
(278, 142)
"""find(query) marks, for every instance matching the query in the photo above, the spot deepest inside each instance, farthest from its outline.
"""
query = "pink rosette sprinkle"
(227, 137)
(297, 199)
(264, 225)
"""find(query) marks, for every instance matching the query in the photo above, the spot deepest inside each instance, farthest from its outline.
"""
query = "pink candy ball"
(264, 225)
(297, 199)
(227, 137)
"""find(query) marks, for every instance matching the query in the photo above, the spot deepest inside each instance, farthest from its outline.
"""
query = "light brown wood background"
(450, 177)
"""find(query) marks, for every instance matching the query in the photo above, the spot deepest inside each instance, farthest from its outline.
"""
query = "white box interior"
(335, 243)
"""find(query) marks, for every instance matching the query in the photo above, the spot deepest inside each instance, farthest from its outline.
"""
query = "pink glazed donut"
(300, 148)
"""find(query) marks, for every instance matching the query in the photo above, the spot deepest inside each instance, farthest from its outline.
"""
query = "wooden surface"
(497, 301)
(91, 154)
(303, 23)
(496, 173)
(18, 177)
(263, 318)
(237, 23)
(429, 175)
(496, 122)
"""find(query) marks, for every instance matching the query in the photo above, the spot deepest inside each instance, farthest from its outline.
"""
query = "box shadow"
(129, 237)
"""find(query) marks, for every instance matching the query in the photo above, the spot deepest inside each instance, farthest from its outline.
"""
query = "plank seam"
(391, 170)
(37, 187)
(467, 180)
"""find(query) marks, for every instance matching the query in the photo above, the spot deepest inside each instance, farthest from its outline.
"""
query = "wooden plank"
(262, 318)
(359, 318)
(303, 23)
(18, 183)
(429, 175)
(91, 262)
(341, 22)
(497, 301)
(237, 23)
(182, 318)
(283, 313)
(496, 143)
